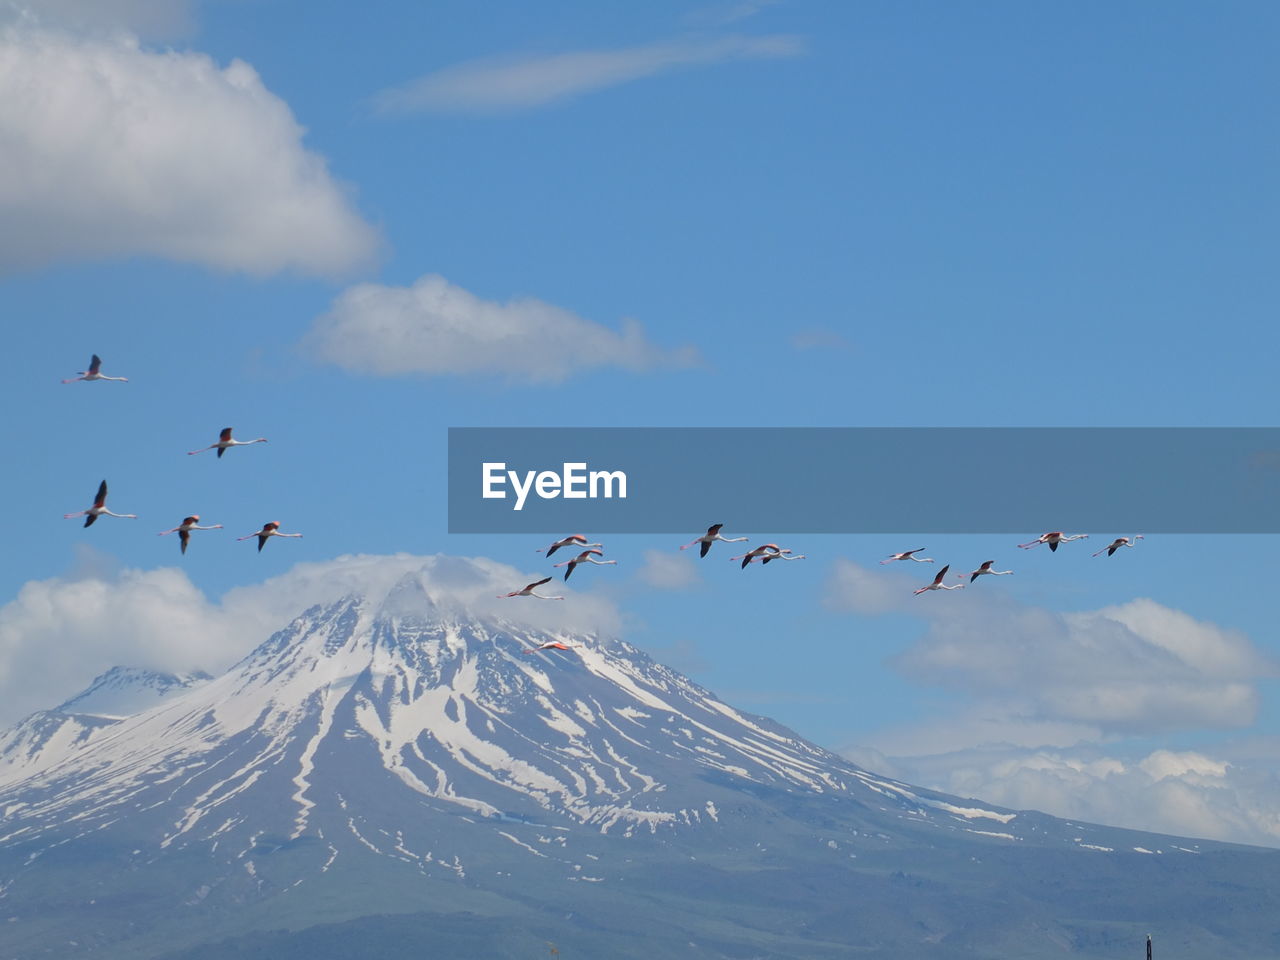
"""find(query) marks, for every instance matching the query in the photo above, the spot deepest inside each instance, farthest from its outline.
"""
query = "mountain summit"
(401, 754)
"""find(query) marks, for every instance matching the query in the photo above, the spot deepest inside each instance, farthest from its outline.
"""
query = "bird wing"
(189, 520)
(538, 583)
(714, 529)
(88, 521)
(942, 573)
(225, 434)
(1112, 549)
(184, 536)
(101, 498)
(554, 547)
(262, 541)
(221, 451)
(95, 364)
(1053, 545)
(706, 545)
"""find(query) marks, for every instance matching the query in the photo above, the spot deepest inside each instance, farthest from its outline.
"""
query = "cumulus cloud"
(1135, 668)
(516, 82)
(665, 570)
(58, 634)
(109, 150)
(435, 327)
(1187, 793)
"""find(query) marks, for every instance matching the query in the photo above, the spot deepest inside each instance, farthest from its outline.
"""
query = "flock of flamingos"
(763, 554)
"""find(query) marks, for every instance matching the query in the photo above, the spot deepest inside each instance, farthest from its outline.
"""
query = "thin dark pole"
(1148, 946)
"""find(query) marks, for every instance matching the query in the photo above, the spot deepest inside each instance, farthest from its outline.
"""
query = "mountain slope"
(396, 755)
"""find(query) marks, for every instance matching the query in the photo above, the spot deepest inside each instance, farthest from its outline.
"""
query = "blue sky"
(884, 214)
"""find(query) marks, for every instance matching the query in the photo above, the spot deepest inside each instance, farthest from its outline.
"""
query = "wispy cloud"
(665, 570)
(819, 338)
(730, 12)
(434, 328)
(532, 81)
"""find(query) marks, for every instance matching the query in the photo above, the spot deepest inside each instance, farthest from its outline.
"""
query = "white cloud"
(507, 83)
(665, 570)
(1186, 793)
(435, 327)
(58, 634)
(108, 150)
(1138, 667)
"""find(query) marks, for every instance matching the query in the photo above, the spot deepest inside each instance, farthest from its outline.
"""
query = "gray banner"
(864, 479)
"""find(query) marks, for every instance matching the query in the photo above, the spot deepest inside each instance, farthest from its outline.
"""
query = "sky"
(349, 232)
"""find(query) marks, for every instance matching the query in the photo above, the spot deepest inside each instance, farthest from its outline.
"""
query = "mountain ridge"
(383, 749)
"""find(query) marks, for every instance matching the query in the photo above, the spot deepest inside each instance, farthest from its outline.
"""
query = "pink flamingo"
(183, 530)
(92, 373)
(780, 555)
(710, 537)
(1119, 542)
(98, 509)
(527, 591)
(268, 531)
(755, 552)
(584, 557)
(938, 584)
(907, 555)
(1052, 539)
(576, 539)
(549, 645)
(225, 441)
(986, 569)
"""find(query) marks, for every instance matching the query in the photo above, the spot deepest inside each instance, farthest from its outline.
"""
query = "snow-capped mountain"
(400, 753)
(49, 736)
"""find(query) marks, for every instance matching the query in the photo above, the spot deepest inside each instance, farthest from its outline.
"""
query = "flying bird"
(268, 531)
(183, 530)
(98, 509)
(938, 584)
(908, 555)
(780, 555)
(1119, 542)
(549, 645)
(225, 441)
(576, 539)
(710, 537)
(754, 552)
(583, 557)
(985, 569)
(95, 365)
(527, 591)
(1052, 539)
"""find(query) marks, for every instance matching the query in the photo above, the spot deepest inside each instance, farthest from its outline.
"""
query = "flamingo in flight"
(98, 509)
(908, 555)
(1119, 542)
(268, 531)
(755, 552)
(985, 569)
(576, 539)
(183, 530)
(780, 555)
(549, 645)
(1053, 538)
(938, 584)
(225, 441)
(95, 365)
(710, 537)
(527, 591)
(584, 557)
